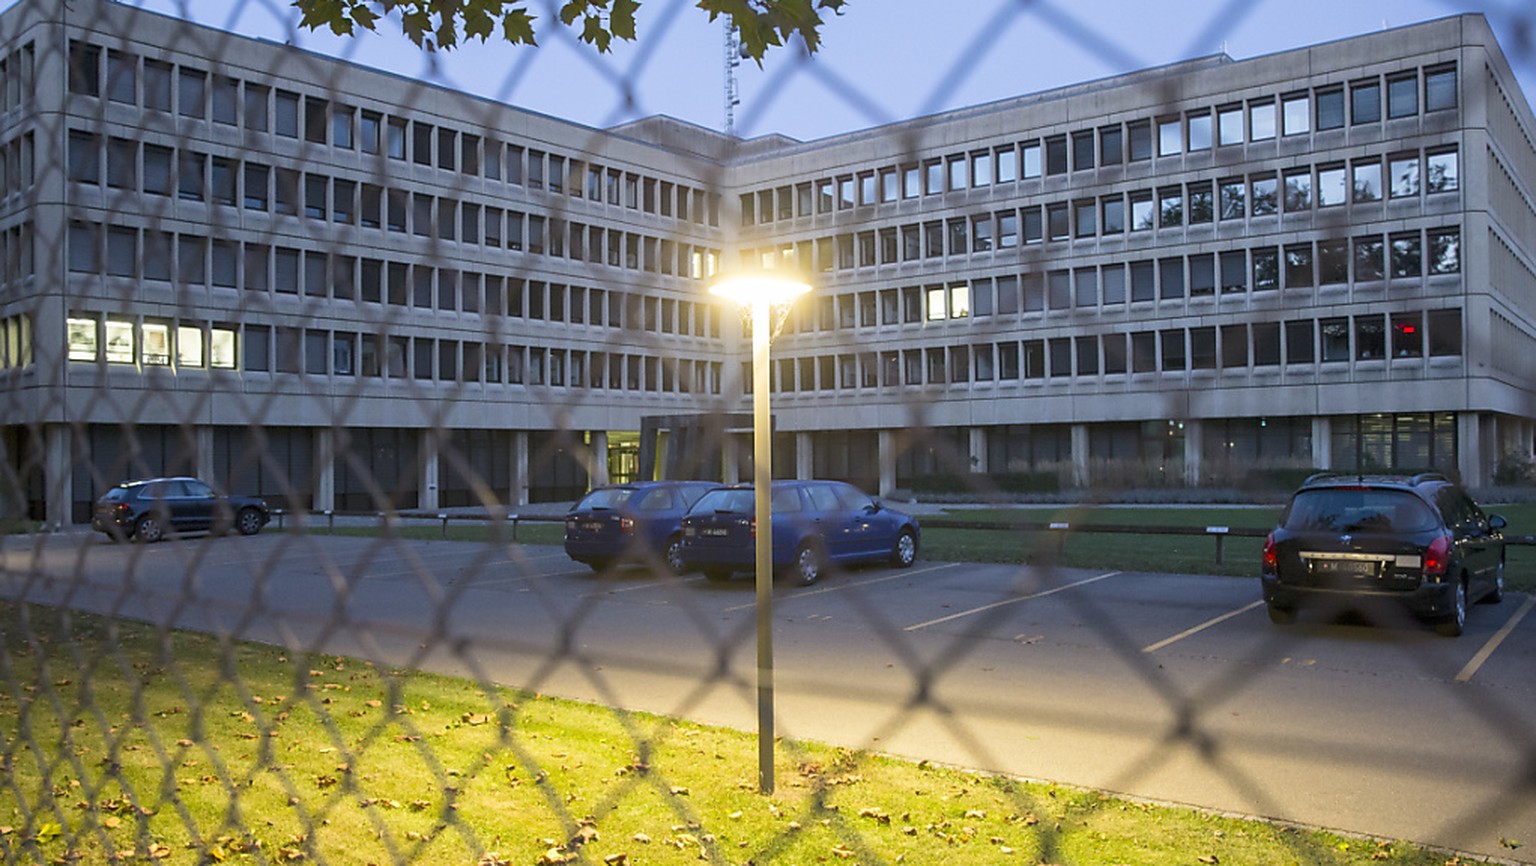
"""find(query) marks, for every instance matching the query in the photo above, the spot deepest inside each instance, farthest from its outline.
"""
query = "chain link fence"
(420, 323)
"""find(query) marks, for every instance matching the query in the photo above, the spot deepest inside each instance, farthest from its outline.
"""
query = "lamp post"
(761, 293)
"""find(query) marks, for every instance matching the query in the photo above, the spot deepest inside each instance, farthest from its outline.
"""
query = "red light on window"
(1407, 329)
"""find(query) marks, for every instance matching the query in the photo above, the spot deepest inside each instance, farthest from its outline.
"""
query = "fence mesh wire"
(313, 306)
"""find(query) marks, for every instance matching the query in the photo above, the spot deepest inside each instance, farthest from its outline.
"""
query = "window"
(1140, 133)
(1445, 251)
(1370, 259)
(1229, 124)
(1170, 277)
(1298, 190)
(1007, 159)
(1057, 221)
(1266, 344)
(1298, 266)
(1007, 229)
(1144, 352)
(1332, 186)
(1170, 206)
(1084, 218)
(1031, 158)
(82, 339)
(84, 157)
(155, 338)
(1367, 180)
(1234, 271)
(1199, 131)
(1403, 95)
(191, 92)
(1056, 155)
(1407, 253)
(1261, 120)
(1233, 197)
(1365, 102)
(226, 100)
(1112, 215)
(1202, 275)
(120, 342)
(84, 69)
(1403, 175)
(1087, 355)
(1266, 196)
(1440, 171)
(1299, 341)
(1170, 137)
(1370, 338)
(1440, 89)
(1143, 215)
(1202, 348)
(1202, 205)
(1330, 108)
(122, 75)
(958, 174)
(157, 85)
(1143, 281)
(1332, 262)
(1407, 335)
(1085, 288)
(84, 257)
(1082, 150)
(1111, 145)
(1296, 114)
(1444, 328)
(1266, 269)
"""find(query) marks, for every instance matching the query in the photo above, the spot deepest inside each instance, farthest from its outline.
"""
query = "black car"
(1419, 540)
(150, 510)
(632, 522)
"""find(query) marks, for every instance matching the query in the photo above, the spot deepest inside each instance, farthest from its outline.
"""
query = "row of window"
(18, 165)
(1406, 336)
(17, 258)
(1261, 119)
(15, 342)
(194, 260)
(18, 70)
(1365, 259)
(318, 352)
(193, 176)
(1257, 195)
(192, 92)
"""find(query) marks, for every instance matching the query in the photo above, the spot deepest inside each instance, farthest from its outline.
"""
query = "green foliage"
(1514, 468)
(1005, 482)
(443, 24)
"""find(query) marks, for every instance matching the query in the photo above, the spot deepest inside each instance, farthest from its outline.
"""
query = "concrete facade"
(300, 277)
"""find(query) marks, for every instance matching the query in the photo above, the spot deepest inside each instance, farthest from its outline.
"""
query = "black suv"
(1420, 540)
(152, 509)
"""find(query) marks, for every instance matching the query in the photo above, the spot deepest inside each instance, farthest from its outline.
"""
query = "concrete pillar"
(978, 449)
(1081, 477)
(887, 460)
(518, 495)
(205, 468)
(1322, 443)
(58, 476)
(325, 469)
(730, 458)
(805, 465)
(1474, 442)
(427, 498)
(1194, 447)
(597, 459)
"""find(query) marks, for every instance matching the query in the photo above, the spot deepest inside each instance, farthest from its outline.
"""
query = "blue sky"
(882, 60)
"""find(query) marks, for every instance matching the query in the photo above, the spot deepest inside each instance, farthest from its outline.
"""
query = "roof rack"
(1319, 476)
(1429, 476)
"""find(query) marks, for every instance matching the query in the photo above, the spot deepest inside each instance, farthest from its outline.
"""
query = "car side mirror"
(1497, 521)
(873, 507)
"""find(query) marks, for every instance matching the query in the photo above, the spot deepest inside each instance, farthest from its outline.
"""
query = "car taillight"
(754, 526)
(122, 508)
(1269, 552)
(626, 524)
(1437, 556)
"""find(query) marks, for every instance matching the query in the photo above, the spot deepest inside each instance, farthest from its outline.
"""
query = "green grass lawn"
(122, 743)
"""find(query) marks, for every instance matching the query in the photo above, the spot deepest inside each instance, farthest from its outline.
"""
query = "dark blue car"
(815, 523)
(635, 522)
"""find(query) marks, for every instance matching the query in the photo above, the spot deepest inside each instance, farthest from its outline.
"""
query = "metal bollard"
(1221, 535)
(279, 513)
(330, 519)
(444, 519)
(513, 518)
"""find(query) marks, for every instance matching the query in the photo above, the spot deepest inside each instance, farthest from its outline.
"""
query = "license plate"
(592, 527)
(715, 532)
(1344, 566)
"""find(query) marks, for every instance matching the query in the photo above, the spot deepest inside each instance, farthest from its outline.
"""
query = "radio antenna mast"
(732, 60)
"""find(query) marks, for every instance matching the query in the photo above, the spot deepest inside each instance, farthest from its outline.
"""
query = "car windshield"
(607, 497)
(1357, 509)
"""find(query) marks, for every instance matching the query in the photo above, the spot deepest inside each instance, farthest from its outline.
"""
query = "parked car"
(1419, 540)
(149, 510)
(632, 522)
(815, 523)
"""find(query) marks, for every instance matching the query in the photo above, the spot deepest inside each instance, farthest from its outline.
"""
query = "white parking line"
(838, 587)
(1493, 642)
(1007, 601)
(1202, 627)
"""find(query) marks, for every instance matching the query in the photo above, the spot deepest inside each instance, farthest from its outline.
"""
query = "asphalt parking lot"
(1170, 687)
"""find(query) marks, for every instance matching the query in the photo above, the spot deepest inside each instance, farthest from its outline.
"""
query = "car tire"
(904, 551)
(672, 552)
(1281, 615)
(1456, 623)
(1496, 594)
(718, 575)
(248, 521)
(148, 530)
(808, 564)
(596, 563)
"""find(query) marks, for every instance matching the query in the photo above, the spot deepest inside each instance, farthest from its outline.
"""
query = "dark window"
(1056, 155)
(1299, 341)
(1365, 102)
(1440, 89)
(1330, 108)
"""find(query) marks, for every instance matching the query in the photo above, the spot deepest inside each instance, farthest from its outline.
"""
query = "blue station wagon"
(633, 522)
(815, 523)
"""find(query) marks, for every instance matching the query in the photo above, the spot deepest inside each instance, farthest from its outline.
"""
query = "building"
(297, 276)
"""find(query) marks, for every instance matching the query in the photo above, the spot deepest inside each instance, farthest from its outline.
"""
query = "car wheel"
(1456, 623)
(807, 565)
(1496, 594)
(148, 529)
(717, 575)
(673, 552)
(1280, 615)
(248, 521)
(904, 553)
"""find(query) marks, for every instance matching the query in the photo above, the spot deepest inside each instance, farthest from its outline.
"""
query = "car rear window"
(741, 501)
(1359, 509)
(116, 494)
(607, 497)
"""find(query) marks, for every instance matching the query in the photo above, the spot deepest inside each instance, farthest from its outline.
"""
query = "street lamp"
(764, 294)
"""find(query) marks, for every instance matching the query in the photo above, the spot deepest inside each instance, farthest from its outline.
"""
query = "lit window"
(936, 307)
(960, 301)
(221, 348)
(189, 346)
(156, 338)
(82, 339)
(119, 342)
